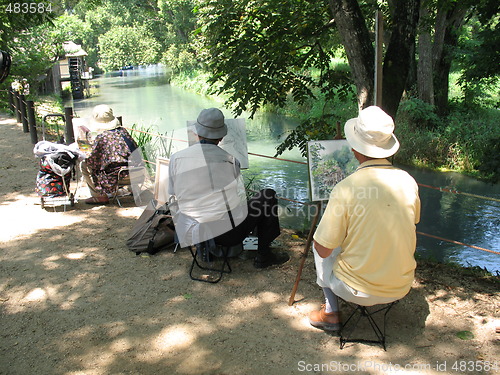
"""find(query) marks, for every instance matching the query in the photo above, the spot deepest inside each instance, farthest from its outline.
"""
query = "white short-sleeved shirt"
(207, 183)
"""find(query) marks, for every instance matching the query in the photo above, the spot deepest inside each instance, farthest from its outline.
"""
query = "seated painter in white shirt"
(209, 198)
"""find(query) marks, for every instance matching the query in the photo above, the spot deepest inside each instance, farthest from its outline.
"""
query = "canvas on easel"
(329, 162)
(161, 180)
(235, 141)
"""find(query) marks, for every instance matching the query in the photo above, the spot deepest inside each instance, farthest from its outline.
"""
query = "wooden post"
(32, 122)
(17, 102)
(12, 106)
(379, 53)
(70, 134)
(24, 116)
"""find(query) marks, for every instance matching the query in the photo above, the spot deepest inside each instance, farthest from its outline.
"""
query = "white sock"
(331, 301)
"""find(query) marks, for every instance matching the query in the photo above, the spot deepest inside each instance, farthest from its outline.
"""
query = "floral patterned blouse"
(110, 152)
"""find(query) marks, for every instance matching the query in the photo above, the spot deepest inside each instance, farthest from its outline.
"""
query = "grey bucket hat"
(210, 124)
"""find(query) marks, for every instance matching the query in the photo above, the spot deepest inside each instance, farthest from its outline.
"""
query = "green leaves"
(261, 52)
(465, 335)
(127, 45)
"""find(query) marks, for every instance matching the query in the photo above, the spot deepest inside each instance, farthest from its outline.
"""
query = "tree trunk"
(449, 36)
(398, 55)
(425, 72)
(358, 46)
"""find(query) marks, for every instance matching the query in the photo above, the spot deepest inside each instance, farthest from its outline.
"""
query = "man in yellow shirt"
(365, 242)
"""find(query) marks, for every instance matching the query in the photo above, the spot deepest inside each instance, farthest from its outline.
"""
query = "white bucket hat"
(210, 124)
(103, 118)
(371, 133)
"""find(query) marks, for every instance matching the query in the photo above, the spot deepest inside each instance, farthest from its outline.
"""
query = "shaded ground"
(74, 300)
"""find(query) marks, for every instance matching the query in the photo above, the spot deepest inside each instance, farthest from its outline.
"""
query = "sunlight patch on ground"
(16, 213)
(131, 212)
(175, 338)
(122, 345)
(245, 303)
(8, 121)
(298, 314)
(74, 256)
(37, 294)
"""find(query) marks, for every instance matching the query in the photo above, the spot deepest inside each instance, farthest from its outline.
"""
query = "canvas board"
(235, 141)
(161, 180)
(329, 162)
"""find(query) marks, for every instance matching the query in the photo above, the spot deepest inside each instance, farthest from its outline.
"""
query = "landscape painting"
(329, 162)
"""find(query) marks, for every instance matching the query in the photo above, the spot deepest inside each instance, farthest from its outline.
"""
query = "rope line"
(309, 203)
(458, 243)
(459, 192)
(447, 190)
(273, 157)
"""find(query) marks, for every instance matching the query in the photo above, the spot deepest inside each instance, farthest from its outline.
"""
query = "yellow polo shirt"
(371, 215)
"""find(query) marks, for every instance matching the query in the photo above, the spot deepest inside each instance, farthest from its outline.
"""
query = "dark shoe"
(326, 321)
(270, 259)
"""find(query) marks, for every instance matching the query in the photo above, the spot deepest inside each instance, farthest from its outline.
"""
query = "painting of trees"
(329, 161)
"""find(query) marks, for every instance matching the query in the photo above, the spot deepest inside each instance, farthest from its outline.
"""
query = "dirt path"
(74, 300)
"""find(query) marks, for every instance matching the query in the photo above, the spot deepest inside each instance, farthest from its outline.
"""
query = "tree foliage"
(259, 52)
(127, 45)
(15, 21)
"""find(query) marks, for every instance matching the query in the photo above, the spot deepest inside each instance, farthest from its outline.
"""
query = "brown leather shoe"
(323, 320)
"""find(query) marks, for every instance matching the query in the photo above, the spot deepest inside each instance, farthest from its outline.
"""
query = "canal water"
(144, 97)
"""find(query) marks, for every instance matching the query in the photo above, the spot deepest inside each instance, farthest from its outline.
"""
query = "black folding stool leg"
(202, 249)
(363, 311)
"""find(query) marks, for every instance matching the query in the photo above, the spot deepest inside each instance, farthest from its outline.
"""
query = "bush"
(418, 114)
(467, 140)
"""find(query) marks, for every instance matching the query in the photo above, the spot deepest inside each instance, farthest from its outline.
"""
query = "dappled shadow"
(82, 302)
(74, 299)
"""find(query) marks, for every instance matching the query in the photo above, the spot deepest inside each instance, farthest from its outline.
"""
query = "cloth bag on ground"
(153, 231)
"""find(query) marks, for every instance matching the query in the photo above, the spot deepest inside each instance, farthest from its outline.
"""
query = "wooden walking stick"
(304, 254)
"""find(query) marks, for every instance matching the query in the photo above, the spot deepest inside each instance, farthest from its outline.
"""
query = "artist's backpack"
(153, 231)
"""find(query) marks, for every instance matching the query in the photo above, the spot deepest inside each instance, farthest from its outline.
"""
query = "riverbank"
(74, 300)
(465, 141)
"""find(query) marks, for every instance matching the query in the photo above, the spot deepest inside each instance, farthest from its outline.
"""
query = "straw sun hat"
(371, 133)
(103, 118)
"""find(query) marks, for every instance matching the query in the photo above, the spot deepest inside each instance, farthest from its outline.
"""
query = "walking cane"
(304, 254)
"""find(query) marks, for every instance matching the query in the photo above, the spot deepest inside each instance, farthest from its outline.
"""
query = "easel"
(318, 206)
(304, 254)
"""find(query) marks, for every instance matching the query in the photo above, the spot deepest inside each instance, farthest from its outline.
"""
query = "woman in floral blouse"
(111, 150)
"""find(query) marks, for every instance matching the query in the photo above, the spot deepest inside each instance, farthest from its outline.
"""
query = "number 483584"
(28, 8)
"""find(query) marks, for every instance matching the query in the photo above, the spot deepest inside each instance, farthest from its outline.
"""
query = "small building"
(74, 71)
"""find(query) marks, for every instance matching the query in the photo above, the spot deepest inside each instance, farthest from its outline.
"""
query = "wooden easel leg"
(304, 254)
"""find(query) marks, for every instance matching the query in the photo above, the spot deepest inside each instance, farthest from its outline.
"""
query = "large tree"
(358, 43)
(456, 31)
(127, 45)
(262, 52)
(16, 18)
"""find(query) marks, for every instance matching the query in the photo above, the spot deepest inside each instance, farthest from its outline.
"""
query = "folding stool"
(205, 256)
(368, 312)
